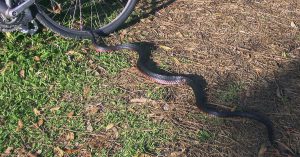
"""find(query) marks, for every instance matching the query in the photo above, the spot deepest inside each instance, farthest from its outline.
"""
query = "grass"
(231, 92)
(44, 82)
(204, 135)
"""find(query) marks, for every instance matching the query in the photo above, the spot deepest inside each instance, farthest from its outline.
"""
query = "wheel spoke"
(82, 14)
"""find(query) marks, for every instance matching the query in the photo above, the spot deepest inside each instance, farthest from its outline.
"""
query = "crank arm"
(13, 12)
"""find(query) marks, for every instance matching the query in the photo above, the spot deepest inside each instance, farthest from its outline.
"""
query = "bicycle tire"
(45, 20)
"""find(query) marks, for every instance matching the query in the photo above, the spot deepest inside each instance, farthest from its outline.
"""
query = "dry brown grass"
(253, 43)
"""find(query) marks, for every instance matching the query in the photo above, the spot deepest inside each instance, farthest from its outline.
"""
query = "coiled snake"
(184, 79)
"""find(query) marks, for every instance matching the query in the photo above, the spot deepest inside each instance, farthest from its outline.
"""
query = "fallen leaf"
(176, 154)
(262, 150)
(55, 109)
(6, 66)
(279, 93)
(89, 127)
(70, 115)
(109, 126)
(36, 58)
(86, 91)
(143, 155)
(36, 112)
(284, 148)
(71, 52)
(39, 152)
(166, 48)
(85, 153)
(20, 125)
(31, 155)
(8, 35)
(293, 25)
(176, 61)
(8, 150)
(40, 122)
(179, 34)
(139, 100)
(116, 132)
(22, 73)
(166, 107)
(71, 151)
(92, 109)
(58, 152)
(258, 71)
(57, 8)
(70, 136)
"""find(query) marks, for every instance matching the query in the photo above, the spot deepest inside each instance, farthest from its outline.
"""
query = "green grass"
(231, 92)
(204, 135)
(52, 80)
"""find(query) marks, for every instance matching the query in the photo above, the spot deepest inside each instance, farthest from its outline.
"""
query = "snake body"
(204, 107)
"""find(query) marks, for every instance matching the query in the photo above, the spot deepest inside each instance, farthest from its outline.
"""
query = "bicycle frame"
(7, 11)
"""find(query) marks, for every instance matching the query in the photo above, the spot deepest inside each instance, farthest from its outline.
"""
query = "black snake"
(204, 107)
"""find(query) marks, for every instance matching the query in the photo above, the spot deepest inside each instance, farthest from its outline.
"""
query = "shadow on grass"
(148, 9)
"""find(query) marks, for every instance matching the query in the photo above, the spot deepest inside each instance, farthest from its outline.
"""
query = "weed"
(230, 93)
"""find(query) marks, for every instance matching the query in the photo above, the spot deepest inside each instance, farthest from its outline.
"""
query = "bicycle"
(72, 19)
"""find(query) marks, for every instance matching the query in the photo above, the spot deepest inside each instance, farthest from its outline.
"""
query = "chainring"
(15, 23)
(9, 25)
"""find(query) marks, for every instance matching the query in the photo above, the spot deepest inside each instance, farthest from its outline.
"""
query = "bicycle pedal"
(29, 28)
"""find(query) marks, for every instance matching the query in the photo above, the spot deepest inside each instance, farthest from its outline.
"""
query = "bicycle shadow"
(148, 9)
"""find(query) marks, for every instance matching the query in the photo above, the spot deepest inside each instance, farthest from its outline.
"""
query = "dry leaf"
(293, 25)
(139, 100)
(8, 35)
(8, 150)
(262, 150)
(85, 153)
(166, 48)
(57, 8)
(40, 122)
(109, 126)
(55, 109)
(22, 73)
(58, 152)
(31, 155)
(71, 52)
(143, 155)
(179, 34)
(71, 151)
(36, 112)
(92, 109)
(166, 107)
(284, 148)
(116, 132)
(20, 125)
(6, 66)
(39, 152)
(89, 127)
(36, 58)
(70, 136)
(176, 61)
(258, 71)
(70, 115)
(86, 91)
(279, 93)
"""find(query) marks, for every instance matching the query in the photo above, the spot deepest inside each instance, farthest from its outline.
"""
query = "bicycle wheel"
(76, 18)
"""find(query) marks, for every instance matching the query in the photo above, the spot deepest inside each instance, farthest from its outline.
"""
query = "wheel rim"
(82, 15)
